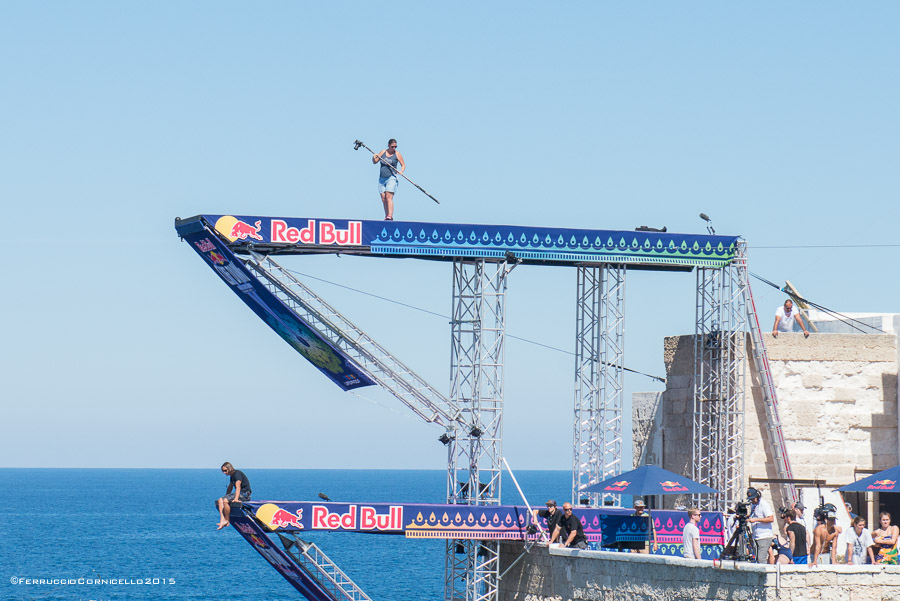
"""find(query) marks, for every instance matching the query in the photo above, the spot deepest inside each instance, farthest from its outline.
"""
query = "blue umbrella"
(884, 481)
(649, 480)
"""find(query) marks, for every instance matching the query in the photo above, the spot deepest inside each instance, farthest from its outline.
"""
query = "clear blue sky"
(121, 348)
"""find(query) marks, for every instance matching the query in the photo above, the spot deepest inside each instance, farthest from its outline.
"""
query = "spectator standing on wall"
(785, 316)
(886, 538)
(691, 535)
(571, 530)
(807, 521)
(796, 535)
(859, 543)
(553, 515)
(825, 536)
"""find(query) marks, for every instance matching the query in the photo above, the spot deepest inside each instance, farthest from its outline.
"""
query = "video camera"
(824, 512)
(784, 512)
(742, 510)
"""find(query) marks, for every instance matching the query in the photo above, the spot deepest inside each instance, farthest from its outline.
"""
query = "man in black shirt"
(553, 515)
(238, 488)
(796, 536)
(572, 532)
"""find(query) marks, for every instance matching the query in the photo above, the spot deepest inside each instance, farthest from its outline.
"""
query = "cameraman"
(761, 518)
(825, 536)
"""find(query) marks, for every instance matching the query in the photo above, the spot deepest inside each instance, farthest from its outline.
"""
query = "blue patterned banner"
(658, 250)
(606, 527)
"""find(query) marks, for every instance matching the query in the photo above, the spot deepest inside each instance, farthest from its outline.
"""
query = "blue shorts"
(800, 560)
(388, 184)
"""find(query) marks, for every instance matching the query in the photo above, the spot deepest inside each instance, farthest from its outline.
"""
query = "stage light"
(475, 432)
(446, 438)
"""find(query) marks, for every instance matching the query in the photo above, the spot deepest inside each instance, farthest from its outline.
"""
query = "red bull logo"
(672, 486)
(617, 486)
(242, 231)
(325, 233)
(216, 258)
(274, 517)
(368, 518)
(882, 485)
(205, 245)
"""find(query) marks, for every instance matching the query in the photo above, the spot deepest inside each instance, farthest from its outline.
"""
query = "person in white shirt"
(761, 519)
(691, 535)
(785, 317)
(859, 543)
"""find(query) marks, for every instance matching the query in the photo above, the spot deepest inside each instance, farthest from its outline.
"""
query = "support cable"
(429, 312)
(841, 317)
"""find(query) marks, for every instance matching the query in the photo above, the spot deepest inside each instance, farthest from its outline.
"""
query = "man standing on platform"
(796, 533)
(761, 518)
(643, 546)
(785, 317)
(554, 517)
(807, 521)
(571, 530)
(691, 535)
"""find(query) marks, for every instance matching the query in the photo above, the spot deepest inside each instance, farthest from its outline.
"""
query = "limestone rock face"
(837, 400)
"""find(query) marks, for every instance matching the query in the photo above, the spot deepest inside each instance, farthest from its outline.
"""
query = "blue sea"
(159, 526)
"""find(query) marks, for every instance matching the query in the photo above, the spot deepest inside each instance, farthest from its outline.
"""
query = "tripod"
(740, 546)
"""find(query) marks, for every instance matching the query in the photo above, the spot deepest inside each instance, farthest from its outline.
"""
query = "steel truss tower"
(719, 375)
(476, 389)
(599, 377)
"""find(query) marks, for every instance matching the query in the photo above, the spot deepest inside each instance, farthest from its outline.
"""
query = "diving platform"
(264, 524)
(242, 251)
(453, 241)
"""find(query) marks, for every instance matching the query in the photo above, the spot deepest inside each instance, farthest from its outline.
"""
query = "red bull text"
(369, 519)
(326, 233)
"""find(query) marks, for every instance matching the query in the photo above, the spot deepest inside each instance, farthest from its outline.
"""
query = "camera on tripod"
(740, 546)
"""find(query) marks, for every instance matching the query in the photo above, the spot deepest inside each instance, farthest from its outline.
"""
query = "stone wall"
(837, 396)
(557, 574)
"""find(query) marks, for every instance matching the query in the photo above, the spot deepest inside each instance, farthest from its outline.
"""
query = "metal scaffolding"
(476, 389)
(383, 367)
(599, 377)
(719, 375)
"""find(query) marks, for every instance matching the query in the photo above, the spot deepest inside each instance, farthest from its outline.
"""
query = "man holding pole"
(388, 179)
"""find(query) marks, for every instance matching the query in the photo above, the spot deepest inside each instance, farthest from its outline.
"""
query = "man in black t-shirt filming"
(238, 488)
(571, 530)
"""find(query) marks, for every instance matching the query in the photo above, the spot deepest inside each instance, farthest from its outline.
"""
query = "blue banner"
(603, 527)
(331, 361)
(659, 250)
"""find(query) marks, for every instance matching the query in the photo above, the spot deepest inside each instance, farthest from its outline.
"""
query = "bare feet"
(222, 525)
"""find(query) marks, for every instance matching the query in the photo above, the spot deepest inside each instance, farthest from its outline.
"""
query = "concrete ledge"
(558, 574)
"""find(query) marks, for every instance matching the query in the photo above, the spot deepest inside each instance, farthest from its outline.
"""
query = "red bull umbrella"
(884, 481)
(649, 480)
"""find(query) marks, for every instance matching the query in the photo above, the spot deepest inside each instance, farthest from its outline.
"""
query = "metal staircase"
(321, 569)
(398, 379)
(770, 398)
